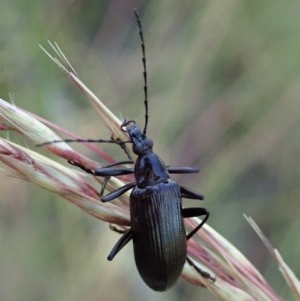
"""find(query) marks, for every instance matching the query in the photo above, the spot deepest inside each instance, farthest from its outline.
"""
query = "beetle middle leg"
(194, 212)
(116, 193)
(190, 194)
(181, 170)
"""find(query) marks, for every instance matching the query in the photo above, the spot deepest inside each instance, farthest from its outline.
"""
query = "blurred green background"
(224, 92)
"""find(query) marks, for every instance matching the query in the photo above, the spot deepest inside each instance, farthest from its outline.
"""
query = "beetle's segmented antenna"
(121, 143)
(144, 69)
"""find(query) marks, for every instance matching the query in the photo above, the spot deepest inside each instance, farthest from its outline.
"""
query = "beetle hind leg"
(116, 229)
(123, 241)
(204, 274)
(193, 212)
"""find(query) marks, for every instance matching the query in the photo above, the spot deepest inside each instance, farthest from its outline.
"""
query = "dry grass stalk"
(236, 278)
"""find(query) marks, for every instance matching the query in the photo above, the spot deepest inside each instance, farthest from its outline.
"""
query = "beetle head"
(140, 142)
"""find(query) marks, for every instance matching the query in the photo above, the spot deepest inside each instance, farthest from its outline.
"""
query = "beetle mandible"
(156, 212)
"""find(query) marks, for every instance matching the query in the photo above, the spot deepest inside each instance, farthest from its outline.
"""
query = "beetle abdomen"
(159, 238)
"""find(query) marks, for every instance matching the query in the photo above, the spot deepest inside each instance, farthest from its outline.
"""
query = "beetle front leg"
(106, 171)
(125, 238)
(109, 170)
(87, 170)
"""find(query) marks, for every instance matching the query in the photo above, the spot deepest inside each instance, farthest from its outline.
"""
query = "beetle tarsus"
(116, 229)
(204, 274)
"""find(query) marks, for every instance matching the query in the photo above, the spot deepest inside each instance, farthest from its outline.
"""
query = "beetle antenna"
(84, 140)
(144, 69)
(119, 142)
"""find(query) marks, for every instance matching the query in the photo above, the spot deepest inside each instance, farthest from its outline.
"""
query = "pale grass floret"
(236, 278)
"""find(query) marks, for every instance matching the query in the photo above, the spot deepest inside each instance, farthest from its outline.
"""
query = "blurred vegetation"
(224, 91)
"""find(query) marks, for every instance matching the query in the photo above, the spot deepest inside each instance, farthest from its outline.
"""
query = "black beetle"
(157, 217)
(157, 226)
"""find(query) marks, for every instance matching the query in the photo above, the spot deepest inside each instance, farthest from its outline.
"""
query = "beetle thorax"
(150, 170)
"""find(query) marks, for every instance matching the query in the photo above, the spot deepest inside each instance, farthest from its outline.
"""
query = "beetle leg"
(201, 272)
(190, 194)
(110, 171)
(125, 238)
(193, 212)
(119, 163)
(87, 170)
(106, 170)
(116, 229)
(116, 193)
(179, 169)
(105, 181)
(124, 147)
